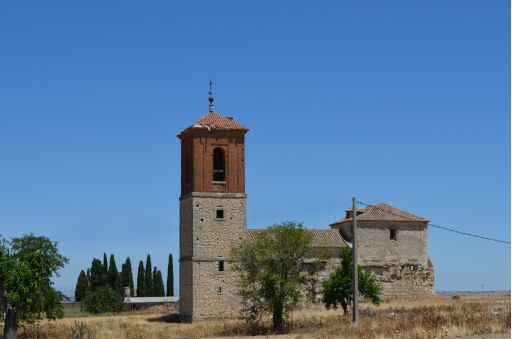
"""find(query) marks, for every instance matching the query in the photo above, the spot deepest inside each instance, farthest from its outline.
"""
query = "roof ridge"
(383, 212)
(214, 120)
(379, 207)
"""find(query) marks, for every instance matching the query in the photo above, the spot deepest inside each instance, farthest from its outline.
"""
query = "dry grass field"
(430, 318)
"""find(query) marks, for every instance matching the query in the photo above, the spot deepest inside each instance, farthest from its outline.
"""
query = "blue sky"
(404, 102)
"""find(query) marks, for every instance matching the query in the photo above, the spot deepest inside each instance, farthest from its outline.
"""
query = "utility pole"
(355, 284)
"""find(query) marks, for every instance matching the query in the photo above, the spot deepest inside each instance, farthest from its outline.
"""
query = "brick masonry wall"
(198, 148)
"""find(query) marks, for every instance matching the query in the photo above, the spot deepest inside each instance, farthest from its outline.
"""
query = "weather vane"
(210, 98)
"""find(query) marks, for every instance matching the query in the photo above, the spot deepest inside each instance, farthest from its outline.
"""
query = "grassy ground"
(429, 318)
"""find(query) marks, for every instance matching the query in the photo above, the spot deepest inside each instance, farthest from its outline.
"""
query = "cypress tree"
(170, 278)
(122, 278)
(82, 287)
(154, 290)
(159, 285)
(105, 270)
(113, 274)
(126, 276)
(148, 276)
(129, 274)
(141, 289)
(96, 279)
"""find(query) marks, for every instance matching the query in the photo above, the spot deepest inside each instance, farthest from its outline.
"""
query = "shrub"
(80, 331)
(104, 299)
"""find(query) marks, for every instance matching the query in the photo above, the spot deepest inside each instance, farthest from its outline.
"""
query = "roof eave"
(208, 128)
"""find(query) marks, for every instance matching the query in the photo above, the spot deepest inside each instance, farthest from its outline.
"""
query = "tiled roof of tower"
(383, 212)
(214, 120)
(329, 238)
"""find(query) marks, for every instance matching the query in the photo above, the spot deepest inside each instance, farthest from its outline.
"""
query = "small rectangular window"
(221, 265)
(219, 214)
(392, 234)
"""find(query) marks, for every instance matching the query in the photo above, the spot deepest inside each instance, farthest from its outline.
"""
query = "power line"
(437, 226)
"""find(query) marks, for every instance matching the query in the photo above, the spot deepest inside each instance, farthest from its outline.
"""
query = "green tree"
(313, 270)
(82, 287)
(96, 280)
(126, 275)
(337, 289)
(271, 277)
(141, 281)
(148, 276)
(154, 277)
(170, 278)
(27, 265)
(158, 285)
(113, 275)
(104, 299)
(104, 280)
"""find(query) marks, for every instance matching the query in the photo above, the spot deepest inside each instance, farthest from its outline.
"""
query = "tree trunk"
(344, 306)
(277, 318)
(11, 324)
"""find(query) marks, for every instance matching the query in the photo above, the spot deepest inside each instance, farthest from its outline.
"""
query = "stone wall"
(405, 280)
(401, 266)
(376, 248)
(206, 291)
(213, 237)
(215, 292)
(313, 292)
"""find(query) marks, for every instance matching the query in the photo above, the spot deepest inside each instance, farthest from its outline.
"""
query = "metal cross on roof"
(210, 98)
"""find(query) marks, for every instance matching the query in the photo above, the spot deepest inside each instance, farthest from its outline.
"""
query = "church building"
(393, 243)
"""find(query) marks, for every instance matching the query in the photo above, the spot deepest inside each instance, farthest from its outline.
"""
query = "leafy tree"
(148, 276)
(104, 299)
(126, 275)
(337, 289)
(96, 280)
(82, 287)
(141, 281)
(113, 275)
(170, 278)
(270, 264)
(27, 265)
(313, 270)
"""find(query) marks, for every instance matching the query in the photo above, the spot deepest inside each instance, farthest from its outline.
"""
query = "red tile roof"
(330, 238)
(383, 212)
(216, 121)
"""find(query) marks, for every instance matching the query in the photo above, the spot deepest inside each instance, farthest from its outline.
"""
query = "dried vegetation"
(428, 318)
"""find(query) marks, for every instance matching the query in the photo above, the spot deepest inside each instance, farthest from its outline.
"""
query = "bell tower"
(212, 215)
